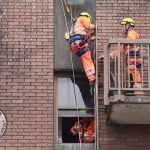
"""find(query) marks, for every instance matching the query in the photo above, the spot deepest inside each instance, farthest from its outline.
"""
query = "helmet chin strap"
(127, 30)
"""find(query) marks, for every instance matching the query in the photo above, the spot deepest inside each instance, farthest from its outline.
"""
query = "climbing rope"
(68, 10)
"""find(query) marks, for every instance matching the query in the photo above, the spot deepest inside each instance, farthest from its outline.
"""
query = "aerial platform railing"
(117, 77)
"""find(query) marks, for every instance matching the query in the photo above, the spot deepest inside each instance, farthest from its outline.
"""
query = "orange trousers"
(86, 60)
(135, 74)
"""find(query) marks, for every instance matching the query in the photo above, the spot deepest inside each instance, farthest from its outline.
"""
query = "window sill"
(73, 146)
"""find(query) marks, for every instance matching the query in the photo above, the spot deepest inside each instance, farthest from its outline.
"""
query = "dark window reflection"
(85, 90)
(84, 94)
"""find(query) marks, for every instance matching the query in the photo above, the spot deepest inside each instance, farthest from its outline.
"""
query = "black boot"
(90, 112)
(92, 83)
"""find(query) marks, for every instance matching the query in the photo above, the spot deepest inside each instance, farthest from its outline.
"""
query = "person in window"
(133, 64)
(85, 129)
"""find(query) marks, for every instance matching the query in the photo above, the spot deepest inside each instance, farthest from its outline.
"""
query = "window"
(71, 101)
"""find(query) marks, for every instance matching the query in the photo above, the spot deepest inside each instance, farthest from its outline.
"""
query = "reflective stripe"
(78, 32)
(134, 49)
(89, 68)
(90, 73)
(82, 51)
(86, 134)
(73, 132)
(137, 85)
(76, 29)
(92, 26)
(131, 38)
(111, 55)
(80, 28)
(82, 33)
(136, 64)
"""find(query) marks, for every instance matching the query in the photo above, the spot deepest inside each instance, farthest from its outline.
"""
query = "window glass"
(83, 93)
(65, 124)
(68, 112)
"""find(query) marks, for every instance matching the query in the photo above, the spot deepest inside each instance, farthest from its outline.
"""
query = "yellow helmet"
(86, 14)
(127, 20)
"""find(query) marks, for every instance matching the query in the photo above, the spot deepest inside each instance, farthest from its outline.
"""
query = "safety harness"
(75, 37)
(135, 63)
(85, 129)
(133, 54)
(84, 39)
(127, 29)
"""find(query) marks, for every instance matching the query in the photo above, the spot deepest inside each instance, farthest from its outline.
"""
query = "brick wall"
(26, 68)
(108, 14)
(26, 73)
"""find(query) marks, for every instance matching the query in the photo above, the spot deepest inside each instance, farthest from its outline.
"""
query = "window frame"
(56, 109)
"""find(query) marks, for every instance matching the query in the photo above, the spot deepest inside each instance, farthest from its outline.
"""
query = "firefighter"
(79, 35)
(127, 28)
(85, 129)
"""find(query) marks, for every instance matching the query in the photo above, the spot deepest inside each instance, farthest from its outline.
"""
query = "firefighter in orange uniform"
(127, 28)
(79, 35)
(85, 129)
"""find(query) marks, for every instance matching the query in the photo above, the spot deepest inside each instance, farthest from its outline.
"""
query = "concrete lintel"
(134, 110)
(133, 99)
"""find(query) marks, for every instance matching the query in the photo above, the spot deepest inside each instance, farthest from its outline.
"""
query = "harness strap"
(85, 129)
(136, 64)
(133, 54)
(79, 37)
(81, 51)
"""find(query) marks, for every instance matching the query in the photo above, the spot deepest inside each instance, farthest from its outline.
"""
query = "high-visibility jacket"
(131, 35)
(131, 62)
(81, 25)
(86, 130)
